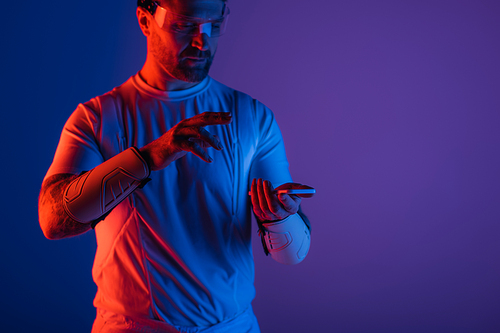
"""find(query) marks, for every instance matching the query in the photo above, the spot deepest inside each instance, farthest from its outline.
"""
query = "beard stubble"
(179, 69)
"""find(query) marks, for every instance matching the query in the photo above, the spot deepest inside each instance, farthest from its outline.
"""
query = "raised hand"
(187, 136)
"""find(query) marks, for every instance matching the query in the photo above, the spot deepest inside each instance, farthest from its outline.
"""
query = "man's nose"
(200, 42)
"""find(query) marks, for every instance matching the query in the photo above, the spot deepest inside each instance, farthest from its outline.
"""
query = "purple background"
(389, 108)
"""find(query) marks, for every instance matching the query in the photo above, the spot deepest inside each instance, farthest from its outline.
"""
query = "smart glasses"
(186, 25)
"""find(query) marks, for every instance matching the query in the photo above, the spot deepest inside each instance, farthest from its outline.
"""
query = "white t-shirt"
(178, 250)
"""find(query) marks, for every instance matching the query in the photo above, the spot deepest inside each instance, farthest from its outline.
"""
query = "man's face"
(184, 57)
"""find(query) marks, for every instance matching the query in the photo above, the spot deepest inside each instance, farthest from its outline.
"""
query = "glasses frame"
(204, 25)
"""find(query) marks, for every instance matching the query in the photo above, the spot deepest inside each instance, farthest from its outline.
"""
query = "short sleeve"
(269, 162)
(78, 150)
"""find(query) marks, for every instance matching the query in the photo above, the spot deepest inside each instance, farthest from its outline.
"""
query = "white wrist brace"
(287, 240)
(91, 196)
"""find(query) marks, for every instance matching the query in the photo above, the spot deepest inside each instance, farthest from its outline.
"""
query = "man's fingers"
(208, 118)
(270, 206)
(255, 200)
(272, 202)
(262, 198)
(280, 206)
(212, 140)
(192, 130)
(201, 136)
(195, 148)
(290, 202)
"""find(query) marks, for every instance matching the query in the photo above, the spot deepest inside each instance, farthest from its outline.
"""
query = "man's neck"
(158, 78)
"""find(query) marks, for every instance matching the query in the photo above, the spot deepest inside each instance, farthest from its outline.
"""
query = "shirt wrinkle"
(187, 257)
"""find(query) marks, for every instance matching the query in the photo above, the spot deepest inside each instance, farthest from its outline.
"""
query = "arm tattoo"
(54, 221)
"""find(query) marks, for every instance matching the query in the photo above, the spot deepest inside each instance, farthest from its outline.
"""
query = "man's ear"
(144, 19)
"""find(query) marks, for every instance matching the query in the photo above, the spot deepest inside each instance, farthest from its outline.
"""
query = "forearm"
(54, 220)
(73, 204)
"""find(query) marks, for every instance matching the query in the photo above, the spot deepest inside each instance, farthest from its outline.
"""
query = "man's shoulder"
(224, 89)
(237, 97)
(244, 105)
(112, 97)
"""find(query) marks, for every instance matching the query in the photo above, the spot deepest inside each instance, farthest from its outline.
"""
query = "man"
(173, 224)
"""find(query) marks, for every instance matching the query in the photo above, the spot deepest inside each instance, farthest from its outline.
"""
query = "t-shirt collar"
(170, 95)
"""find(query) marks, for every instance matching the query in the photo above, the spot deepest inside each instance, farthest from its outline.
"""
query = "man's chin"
(192, 74)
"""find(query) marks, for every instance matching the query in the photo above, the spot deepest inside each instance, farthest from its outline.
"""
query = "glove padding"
(288, 240)
(95, 193)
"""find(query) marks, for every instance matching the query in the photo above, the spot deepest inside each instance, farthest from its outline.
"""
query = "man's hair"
(148, 3)
(151, 5)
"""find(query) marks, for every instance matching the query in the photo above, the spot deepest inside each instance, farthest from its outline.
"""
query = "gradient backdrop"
(390, 108)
